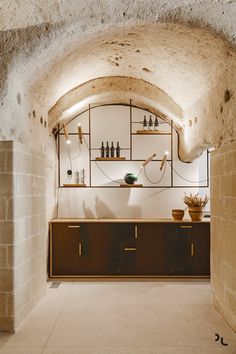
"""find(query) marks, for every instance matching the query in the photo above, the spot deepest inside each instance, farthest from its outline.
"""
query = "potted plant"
(195, 205)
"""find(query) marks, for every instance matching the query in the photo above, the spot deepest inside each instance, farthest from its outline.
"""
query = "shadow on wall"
(102, 210)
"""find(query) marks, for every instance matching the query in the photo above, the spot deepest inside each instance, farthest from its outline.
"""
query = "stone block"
(7, 324)
(38, 167)
(230, 300)
(6, 185)
(22, 162)
(9, 161)
(22, 184)
(6, 232)
(2, 304)
(230, 162)
(2, 161)
(217, 165)
(3, 256)
(229, 185)
(9, 208)
(3, 209)
(6, 280)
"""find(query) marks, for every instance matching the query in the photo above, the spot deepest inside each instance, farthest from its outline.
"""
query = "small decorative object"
(69, 174)
(76, 177)
(118, 149)
(82, 173)
(130, 178)
(195, 205)
(150, 124)
(178, 214)
(145, 125)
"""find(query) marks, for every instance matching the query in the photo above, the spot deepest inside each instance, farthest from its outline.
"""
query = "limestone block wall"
(6, 236)
(223, 226)
(23, 249)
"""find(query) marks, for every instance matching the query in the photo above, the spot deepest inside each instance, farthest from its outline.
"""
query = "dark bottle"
(117, 149)
(156, 124)
(150, 124)
(107, 150)
(112, 150)
(102, 150)
(145, 126)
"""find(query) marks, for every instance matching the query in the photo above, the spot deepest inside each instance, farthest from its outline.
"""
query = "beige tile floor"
(122, 318)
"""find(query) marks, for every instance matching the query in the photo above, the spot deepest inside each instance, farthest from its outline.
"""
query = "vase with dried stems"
(196, 205)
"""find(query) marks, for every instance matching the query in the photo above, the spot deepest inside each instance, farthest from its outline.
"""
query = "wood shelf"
(150, 132)
(110, 158)
(74, 185)
(135, 185)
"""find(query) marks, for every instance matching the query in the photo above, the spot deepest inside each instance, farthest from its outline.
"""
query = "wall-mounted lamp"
(164, 160)
(80, 133)
(66, 134)
(148, 160)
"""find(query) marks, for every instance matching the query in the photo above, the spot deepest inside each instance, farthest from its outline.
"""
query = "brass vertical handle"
(135, 231)
(192, 249)
(80, 249)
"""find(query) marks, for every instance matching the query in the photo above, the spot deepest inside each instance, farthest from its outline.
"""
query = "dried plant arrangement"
(195, 200)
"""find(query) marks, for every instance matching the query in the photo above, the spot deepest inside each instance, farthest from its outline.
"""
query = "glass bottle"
(102, 150)
(76, 177)
(145, 126)
(150, 124)
(112, 150)
(117, 149)
(107, 150)
(156, 124)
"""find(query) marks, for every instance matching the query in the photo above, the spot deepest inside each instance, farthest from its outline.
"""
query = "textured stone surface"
(223, 226)
(184, 50)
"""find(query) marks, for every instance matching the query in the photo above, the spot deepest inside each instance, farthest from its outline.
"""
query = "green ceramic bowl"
(130, 178)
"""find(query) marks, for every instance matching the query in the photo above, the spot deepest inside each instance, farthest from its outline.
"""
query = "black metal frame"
(59, 133)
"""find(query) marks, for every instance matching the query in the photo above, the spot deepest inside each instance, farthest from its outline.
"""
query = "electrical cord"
(185, 179)
(104, 173)
(157, 182)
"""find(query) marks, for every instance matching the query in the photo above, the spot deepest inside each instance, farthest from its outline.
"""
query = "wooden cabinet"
(129, 249)
(150, 255)
(188, 248)
(82, 249)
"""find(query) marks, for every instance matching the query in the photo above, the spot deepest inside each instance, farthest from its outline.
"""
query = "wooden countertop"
(127, 220)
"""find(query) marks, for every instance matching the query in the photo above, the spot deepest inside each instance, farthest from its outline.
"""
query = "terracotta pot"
(178, 214)
(196, 213)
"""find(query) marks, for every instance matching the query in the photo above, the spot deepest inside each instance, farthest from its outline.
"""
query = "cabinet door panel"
(151, 258)
(125, 234)
(201, 249)
(178, 246)
(65, 249)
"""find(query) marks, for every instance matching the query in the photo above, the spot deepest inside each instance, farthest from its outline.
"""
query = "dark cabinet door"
(201, 249)
(82, 249)
(178, 249)
(150, 255)
(125, 239)
(65, 249)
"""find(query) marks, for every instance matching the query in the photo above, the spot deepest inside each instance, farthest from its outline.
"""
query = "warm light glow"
(80, 133)
(148, 160)
(164, 160)
(68, 142)
(66, 132)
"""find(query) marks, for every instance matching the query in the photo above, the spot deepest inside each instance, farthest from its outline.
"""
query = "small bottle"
(77, 177)
(156, 124)
(145, 126)
(150, 124)
(83, 176)
(112, 150)
(117, 149)
(102, 150)
(107, 150)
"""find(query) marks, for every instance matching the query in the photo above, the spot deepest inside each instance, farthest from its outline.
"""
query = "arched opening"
(180, 72)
